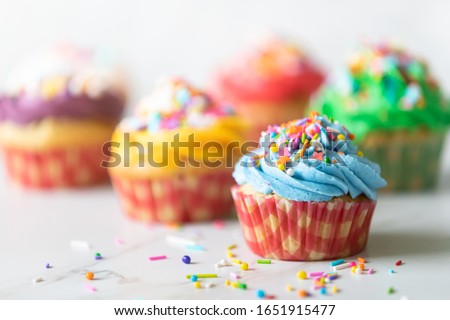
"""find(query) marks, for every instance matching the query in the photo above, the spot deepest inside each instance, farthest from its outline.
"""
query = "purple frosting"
(26, 109)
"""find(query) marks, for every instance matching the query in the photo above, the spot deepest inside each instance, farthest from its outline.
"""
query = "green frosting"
(384, 88)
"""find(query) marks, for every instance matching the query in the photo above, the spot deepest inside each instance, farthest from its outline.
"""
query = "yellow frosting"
(225, 131)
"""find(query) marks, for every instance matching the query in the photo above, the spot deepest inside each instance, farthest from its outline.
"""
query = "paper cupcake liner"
(408, 165)
(57, 168)
(182, 198)
(277, 228)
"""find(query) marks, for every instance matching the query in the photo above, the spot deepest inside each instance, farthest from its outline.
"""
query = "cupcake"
(307, 193)
(57, 110)
(389, 99)
(171, 161)
(270, 84)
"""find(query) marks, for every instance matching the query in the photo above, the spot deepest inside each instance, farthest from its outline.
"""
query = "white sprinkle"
(342, 266)
(180, 241)
(290, 172)
(209, 285)
(78, 244)
(358, 271)
(225, 263)
(38, 279)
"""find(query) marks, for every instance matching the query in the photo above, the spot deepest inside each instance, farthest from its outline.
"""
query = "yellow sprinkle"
(244, 266)
(233, 246)
(341, 136)
(197, 285)
(360, 153)
(227, 282)
(322, 280)
(316, 136)
(230, 254)
(289, 288)
(274, 148)
(281, 166)
(302, 275)
(354, 269)
(235, 284)
(335, 289)
(236, 261)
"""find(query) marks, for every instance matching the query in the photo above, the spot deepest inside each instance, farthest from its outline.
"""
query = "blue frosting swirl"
(326, 169)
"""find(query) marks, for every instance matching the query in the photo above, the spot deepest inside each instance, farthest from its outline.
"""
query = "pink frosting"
(276, 71)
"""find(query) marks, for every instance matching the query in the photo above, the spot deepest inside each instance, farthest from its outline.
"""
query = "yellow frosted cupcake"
(172, 160)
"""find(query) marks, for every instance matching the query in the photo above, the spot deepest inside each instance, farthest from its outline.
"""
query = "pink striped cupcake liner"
(182, 198)
(278, 228)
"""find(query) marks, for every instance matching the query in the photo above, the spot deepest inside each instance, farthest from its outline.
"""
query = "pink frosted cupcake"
(270, 84)
(307, 193)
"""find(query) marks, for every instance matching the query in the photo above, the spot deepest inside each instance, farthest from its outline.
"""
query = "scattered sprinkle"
(231, 247)
(399, 263)
(334, 289)
(47, 266)
(264, 261)
(98, 256)
(119, 241)
(202, 275)
(302, 275)
(180, 241)
(194, 247)
(260, 293)
(343, 266)
(391, 271)
(315, 274)
(336, 262)
(244, 266)
(323, 290)
(303, 293)
(219, 224)
(154, 258)
(197, 285)
(234, 276)
(194, 278)
(38, 279)
(391, 290)
(289, 288)
(186, 259)
(209, 285)
(89, 288)
(89, 275)
(371, 271)
(362, 260)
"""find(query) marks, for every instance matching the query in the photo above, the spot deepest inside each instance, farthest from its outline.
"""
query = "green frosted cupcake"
(396, 110)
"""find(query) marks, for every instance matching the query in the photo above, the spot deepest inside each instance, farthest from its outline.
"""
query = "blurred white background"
(192, 37)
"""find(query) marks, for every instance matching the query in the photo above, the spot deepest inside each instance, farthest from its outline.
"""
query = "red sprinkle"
(399, 263)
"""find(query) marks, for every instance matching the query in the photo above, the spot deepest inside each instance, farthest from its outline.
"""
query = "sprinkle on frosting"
(310, 159)
(274, 70)
(66, 69)
(384, 87)
(174, 103)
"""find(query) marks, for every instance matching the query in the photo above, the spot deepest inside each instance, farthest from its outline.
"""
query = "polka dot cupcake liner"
(408, 161)
(182, 198)
(278, 228)
(55, 168)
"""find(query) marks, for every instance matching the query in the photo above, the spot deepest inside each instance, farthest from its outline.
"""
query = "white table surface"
(36, 228)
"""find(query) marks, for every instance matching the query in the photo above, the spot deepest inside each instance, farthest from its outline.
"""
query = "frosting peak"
(384, 88)
(274, 70)
(174, 103)
(310, 159)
